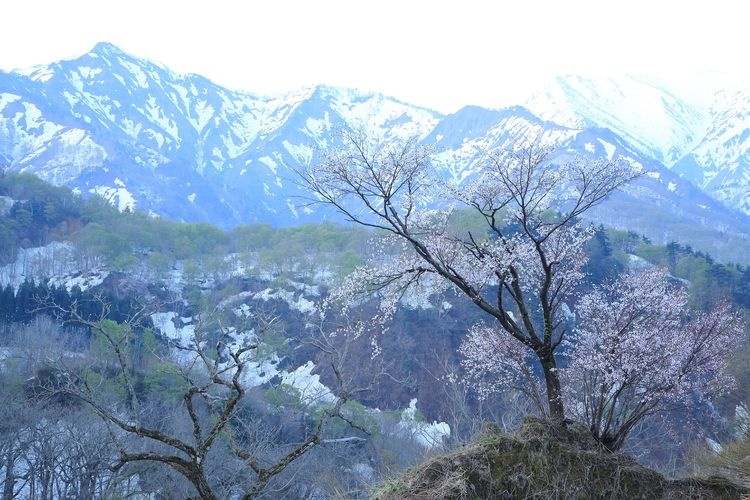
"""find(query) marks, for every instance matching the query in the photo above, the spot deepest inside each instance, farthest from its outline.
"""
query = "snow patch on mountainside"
(164, 322)
(37, 73)
(199, 144)
(54, 263)
(642, 112)
(294, 301)
(609, 148)
(508, 134)
(300, 152)
(318, 128)
(720, 163)
(267, 161)
(137, 72)
(312, 391)
(259, 370)
(429, 435)
(119, 197)
(385, 115)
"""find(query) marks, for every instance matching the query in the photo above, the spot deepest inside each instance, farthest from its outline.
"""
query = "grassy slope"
(542, 462)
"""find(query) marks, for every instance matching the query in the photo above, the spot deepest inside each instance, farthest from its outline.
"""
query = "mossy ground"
(540, 461)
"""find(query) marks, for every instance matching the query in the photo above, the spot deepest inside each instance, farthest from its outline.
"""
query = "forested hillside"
(107, 314)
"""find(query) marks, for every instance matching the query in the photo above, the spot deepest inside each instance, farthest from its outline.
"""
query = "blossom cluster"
(636, 351)
(494, 362)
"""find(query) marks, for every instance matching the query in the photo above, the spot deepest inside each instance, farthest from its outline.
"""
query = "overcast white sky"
(441, 54)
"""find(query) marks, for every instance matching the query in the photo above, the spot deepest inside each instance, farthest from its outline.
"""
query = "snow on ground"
(41, 73)
(88, 73)
(636, 262)
(137, 72)
(258, 371)
(54, 262)
(6, 203)
(118, 197)
(609, 148)
(267, 161)
(318, 127)
(156, 114)
(312, 391)
(202, 112)
(429, 435)
(292, 208)
(313, 290)
(164, 323)
(300, 152)
(299, 303)
(82, 281)
(381, 115)
(5, 354)
(6, 98)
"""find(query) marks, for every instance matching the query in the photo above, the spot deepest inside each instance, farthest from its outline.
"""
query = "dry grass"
(541, 461)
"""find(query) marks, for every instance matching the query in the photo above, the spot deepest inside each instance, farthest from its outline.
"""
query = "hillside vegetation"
(540, 461)
(186, 269)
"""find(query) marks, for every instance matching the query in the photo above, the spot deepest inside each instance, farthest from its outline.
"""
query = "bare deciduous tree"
(210, 371)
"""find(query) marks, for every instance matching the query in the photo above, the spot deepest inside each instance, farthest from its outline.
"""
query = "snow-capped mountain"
(178, 145)
(720, 163)
(660, 205)
(707, 145)
(645, 114)
(182, 147)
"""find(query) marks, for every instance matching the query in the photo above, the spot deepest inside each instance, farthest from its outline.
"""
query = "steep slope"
(182, 147)
(651, 118)
(706, 145)
(462, 139)
(541, 461)
(720, 162)
(659, 205)
(177, 145)
(665, 207)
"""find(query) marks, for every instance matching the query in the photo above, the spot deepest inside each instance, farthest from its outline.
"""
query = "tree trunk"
(198, 478)
(10, 479)
(554, 392)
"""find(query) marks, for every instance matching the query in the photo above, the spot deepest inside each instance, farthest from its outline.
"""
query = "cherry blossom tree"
(518, 268)
(636, 351)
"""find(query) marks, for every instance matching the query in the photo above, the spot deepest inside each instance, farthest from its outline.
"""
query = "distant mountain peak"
(183, 147)
(644, 113)
(107, 48)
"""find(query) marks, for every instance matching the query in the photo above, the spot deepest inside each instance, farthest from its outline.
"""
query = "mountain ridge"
(183, 147)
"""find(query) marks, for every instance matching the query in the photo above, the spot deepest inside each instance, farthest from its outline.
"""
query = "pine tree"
(23, 308)
(7, 304)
